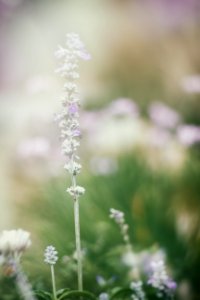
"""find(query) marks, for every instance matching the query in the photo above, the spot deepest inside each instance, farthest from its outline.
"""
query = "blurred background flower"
(139, 155)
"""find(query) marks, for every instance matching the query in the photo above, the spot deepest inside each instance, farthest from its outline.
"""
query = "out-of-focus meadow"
(141, 136)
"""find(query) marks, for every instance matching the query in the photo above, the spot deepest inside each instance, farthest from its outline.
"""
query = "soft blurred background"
(141, 141)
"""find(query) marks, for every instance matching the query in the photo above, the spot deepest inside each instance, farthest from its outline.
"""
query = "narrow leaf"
(77, 295)
(43, 295)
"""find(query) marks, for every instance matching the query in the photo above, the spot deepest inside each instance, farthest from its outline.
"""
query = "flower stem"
(78, 244)
(77, 235)
(53, 282)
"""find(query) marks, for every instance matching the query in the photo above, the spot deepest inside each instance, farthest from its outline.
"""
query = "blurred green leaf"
(77, 295)
(43, 295)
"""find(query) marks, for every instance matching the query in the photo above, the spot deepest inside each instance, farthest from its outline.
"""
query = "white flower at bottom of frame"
(14, 241)
(103, 296)
(76, 190)
(137, 288)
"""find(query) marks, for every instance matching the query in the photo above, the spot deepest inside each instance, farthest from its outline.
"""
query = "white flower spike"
(68, 121)
(50, 255)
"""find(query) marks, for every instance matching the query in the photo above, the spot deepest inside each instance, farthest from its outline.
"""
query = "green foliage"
(65, 294)
(43, 295)
(122, 294)
(77, 295)
(150, 200)
(8, 289)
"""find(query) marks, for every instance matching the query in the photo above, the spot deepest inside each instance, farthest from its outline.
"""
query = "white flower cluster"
(69, 117)
(14, 242)
(104, 296)
(159, 275)
(137, 288)
(118, 216)
(76, 191)
(50, 255)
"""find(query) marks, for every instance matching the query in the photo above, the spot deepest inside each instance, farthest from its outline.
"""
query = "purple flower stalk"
(69, 125)
(160, 280)
(118, 217)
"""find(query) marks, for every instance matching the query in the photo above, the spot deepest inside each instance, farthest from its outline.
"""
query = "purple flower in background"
(164, 116)
(173, 13)
(146, 257)
(159, 137)
(123, 106)
(103, 165)
(171, 284)
(89, 119)
(34, 147)
(191, 84)
(188, 134)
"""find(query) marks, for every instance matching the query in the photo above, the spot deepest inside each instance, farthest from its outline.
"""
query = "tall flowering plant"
(68, 119)
(13, 243)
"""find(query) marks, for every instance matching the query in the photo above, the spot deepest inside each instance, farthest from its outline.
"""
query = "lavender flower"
(163, 116)
(118, 217)
(123, 106)
(160, 280)
(159, 137)
(68, 119)
(35, 147)
(191, 84)
(188, 134)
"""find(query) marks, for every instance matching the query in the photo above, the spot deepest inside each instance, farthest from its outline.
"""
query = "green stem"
(77, 235)
(53, 282)
(78, 244)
